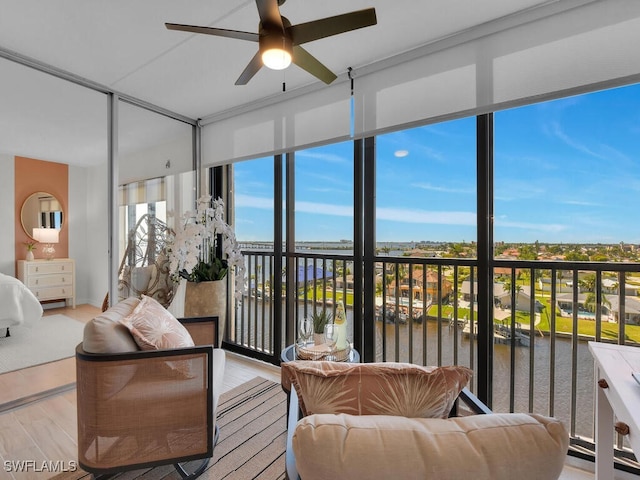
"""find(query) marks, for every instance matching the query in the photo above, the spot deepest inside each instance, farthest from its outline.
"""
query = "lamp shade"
(46, 235)
(276, 58)
(275, 49)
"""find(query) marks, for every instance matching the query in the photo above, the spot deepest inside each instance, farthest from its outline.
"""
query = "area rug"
(253, 437)
(51, 338)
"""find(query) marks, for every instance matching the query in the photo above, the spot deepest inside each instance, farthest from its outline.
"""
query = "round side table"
(289, 355)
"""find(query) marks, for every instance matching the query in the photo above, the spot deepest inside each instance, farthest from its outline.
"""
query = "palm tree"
(588, 282)
(560, 274)
(590, 302)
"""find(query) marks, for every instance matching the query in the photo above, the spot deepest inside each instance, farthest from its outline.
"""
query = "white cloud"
(428, 186)
(324, 209)
(328, 157)
(398, 215)
(424, 216)
(249, 201)
(543, 227)
(581, 203)
(559, 133)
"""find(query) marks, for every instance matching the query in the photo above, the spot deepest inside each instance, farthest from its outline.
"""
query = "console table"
(50, 279)
(617, 394)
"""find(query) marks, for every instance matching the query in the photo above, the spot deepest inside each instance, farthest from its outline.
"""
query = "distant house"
(523, 300)
(564, 302)
(631, 309)
(501, 296)
(340, 282)
(420, 291)
(469, 296)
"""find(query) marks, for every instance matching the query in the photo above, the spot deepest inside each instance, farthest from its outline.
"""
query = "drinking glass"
(330, 338)
(306, 330)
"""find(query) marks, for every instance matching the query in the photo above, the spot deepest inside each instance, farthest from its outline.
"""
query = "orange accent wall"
(39, 176)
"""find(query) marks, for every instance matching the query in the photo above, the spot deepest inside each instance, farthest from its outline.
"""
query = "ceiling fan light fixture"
(276, 58)
(279, 41)
(276, 50)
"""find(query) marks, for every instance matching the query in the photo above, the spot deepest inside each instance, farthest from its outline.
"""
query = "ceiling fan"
(279, 41)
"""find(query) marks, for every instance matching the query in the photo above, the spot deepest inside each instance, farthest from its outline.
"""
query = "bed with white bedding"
(18, 305)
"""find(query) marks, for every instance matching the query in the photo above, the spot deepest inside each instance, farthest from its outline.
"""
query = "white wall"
(7, 216)
(77, 224)
(88, 244)
(98, 232)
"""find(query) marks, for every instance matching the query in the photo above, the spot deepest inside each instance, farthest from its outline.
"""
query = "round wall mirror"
(41, 210)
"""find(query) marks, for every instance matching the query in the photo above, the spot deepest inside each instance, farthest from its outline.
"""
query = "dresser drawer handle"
(37, 269)
(602, 383)
(37, 280)
(622, 428)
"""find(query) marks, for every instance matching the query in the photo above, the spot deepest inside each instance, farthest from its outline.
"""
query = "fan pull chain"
(284, 72)
(352, 123)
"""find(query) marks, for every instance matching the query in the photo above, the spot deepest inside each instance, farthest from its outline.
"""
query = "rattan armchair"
(136, 410)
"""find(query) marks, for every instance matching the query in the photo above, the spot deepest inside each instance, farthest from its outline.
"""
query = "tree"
(527, 252)
(507, 284)
(588, 282)
(576, 256)
(590, 301)
(560, 275)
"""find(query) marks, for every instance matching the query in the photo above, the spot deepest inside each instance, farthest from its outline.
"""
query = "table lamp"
(47, 236)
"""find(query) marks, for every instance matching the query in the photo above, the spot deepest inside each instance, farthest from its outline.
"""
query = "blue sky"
(565, 171)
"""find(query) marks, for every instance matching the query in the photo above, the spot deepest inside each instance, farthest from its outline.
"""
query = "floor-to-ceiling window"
(566, 178)
(253, 220)
(156, 186)
(425, 208)
(563, 264)
(324, 214)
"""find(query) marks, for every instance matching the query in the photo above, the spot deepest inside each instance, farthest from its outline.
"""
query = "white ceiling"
(124, 46)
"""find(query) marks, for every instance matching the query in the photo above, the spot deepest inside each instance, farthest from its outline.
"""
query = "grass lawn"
(586, 328)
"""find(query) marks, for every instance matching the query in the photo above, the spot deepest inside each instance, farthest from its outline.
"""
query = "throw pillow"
(401, 389)
(105, 334)
(154, 328)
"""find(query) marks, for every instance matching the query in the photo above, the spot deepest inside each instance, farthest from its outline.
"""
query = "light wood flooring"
(42, 428)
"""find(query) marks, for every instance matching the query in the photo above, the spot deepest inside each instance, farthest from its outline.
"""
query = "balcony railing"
(426, 313)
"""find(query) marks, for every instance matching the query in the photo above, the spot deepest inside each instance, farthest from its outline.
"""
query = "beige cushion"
(105, 333)
(140, 278)
(154, 328)
(375, 388)
(479, 447)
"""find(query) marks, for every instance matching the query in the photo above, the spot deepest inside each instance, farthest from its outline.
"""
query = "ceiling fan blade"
(254, 65)
(269, 13)
(308, 62)
(326, 27)
(220, 32)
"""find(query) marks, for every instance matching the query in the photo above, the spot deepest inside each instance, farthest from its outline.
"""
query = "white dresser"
(50, 279)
